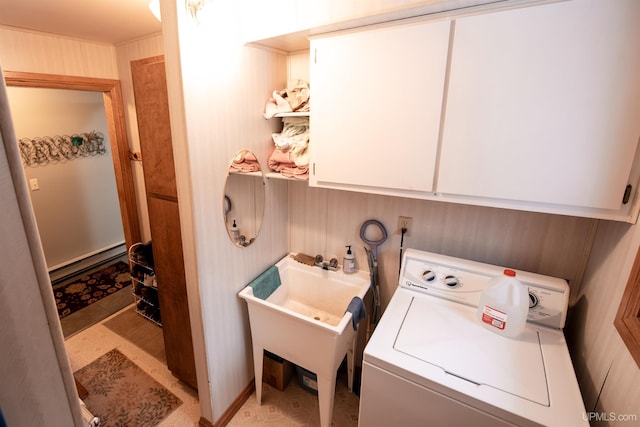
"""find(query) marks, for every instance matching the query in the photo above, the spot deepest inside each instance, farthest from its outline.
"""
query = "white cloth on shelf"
(295, 97)
(294, 139)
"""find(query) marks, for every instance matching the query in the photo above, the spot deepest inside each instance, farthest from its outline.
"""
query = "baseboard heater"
(86, 262)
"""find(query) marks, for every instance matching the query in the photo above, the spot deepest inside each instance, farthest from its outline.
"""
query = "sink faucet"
(331, 265)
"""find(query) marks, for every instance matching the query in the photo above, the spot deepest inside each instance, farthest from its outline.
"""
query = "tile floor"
(296, 407)
(94, 341)
(292, 407)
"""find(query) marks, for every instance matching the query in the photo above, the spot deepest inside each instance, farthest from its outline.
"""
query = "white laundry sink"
(304, 320)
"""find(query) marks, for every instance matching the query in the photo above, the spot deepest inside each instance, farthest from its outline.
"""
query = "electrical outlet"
(405, 222)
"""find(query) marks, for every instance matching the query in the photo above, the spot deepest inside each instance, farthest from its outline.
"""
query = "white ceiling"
(108, 21)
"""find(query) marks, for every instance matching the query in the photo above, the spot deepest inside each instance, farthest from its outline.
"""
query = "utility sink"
(303, 319)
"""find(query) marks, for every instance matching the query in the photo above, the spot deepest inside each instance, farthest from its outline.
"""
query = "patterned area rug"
(91, 287)
(122, 394)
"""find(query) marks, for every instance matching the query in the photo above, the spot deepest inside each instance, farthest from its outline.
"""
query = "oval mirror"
(243, 202)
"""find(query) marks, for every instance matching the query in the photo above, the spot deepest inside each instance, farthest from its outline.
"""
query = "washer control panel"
(463, 281)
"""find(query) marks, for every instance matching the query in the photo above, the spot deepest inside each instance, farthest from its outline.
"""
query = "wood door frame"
(114, 109)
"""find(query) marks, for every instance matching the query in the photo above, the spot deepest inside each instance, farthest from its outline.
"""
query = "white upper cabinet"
(376, 102)
(543, 107)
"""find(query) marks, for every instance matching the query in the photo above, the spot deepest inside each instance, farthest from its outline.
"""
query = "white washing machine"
(431, 363)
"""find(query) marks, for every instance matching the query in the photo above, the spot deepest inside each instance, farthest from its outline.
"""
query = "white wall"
(225, 86)
(76, 207)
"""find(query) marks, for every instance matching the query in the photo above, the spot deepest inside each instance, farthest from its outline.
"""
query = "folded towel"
(282, 162)
(357, 310)
(244, 161)
(266, 283)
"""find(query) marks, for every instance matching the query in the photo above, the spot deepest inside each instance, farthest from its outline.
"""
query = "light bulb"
(154, 6)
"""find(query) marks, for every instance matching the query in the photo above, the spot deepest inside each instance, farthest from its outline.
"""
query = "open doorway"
(104, 216)
(114, 110)
(63, 140)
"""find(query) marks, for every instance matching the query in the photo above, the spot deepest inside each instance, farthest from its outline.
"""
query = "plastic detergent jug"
(504, 305)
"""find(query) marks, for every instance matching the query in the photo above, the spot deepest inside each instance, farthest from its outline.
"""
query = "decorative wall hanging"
(41, 151)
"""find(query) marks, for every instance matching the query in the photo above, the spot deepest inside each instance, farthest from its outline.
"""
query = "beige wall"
(601, 359)
(76, 207)
(44, 53)
(324, 221)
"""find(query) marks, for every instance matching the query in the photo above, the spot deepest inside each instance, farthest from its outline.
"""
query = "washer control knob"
(429, 276)
(452, 281)
(533, 300)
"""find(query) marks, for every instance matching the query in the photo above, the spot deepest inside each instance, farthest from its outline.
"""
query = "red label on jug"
(494, 317)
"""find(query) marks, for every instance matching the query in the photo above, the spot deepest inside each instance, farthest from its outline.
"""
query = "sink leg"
(350, 364)
(326, 394)
(258, 354)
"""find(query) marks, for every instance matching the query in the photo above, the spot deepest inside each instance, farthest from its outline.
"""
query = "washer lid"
(447, 335)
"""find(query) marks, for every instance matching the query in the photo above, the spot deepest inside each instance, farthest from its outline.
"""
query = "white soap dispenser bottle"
(234, 232)
(349, 261)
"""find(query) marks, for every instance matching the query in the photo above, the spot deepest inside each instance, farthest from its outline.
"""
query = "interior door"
(152, 109)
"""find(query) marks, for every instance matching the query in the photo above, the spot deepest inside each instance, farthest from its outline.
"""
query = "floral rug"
(91, 287)
(122, 394)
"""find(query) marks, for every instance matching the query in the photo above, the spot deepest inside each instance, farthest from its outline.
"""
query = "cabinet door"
(543, 104)
(376, 101)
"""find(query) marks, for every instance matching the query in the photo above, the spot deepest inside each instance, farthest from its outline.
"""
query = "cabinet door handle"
(627, 194)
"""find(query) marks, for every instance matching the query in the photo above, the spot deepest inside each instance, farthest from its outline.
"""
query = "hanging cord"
(404, 231)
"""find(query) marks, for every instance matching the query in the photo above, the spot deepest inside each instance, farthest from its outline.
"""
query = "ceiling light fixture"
(195, 7)
(154, 5)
